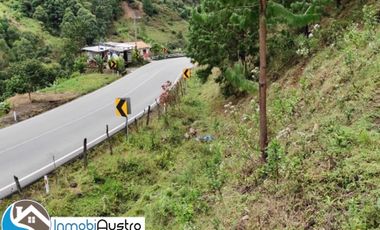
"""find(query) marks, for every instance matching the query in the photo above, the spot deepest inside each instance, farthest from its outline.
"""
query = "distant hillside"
(166, 24)
(52, 33)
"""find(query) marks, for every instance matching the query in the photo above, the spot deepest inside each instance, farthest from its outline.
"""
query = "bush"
(148, 7)
(5, 107)
(137, 59)
(80, 64)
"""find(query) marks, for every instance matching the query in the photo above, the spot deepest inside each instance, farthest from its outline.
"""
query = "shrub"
(80, 64)
(5, 107)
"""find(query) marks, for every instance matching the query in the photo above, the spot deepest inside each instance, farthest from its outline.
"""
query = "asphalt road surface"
(27, 149)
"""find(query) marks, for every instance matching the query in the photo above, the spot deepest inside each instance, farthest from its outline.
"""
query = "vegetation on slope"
(162, 23)
(53, 32)
(323, 159)
(322, 170)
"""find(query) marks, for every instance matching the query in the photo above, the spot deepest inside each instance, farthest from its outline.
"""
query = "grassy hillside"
(167, 27)
(25, 24)
(323, 169)
(161, 28)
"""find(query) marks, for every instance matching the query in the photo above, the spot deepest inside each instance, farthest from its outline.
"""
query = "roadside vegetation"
(200, 167)
(60, 92)
(81, 84)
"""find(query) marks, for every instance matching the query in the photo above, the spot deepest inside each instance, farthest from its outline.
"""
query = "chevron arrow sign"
(186, 74)
(123, 107)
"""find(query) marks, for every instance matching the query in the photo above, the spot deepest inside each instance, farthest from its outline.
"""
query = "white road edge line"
(101, 138)
(71, 122)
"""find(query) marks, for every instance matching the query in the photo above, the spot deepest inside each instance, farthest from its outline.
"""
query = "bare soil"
(41, 102)
(129, 12)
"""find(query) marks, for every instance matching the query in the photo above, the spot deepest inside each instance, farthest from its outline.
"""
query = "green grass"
(161, 28)
(323, 170)
(25, 24)
(82, 84)
(153, 31)
(159, 175)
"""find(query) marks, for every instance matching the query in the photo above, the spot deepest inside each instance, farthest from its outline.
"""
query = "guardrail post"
(109, 139)
(178, 93)
(182, 88)
(85, 152)
(55, 167)
(47, 188)
(15, 116)
(148, 117)
(126, 127)
(17, 184)
(158, 109)
(136, 125)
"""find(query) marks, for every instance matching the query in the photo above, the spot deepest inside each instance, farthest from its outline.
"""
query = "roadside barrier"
(177, 89)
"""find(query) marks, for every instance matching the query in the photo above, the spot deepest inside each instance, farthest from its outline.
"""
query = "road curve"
(27, 149)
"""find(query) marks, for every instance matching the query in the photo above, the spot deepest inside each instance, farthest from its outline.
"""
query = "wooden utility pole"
(263, 80)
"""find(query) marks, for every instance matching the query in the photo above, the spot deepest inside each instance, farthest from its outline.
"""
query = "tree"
(156, 49)
(29, 46)
(26, 8)
(105, 11)
(8, 32)
(148, 8)
(81, 28)
(28, 76)
(263, 80)
(223, 33)
(120, 65)
(5, 54)
(99, 63)
(55, 9)
(80, 64)
(40, 14)
(137, 59)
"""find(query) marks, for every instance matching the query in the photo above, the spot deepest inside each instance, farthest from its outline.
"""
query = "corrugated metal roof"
(140, 45)
(96, 49)
(119, 46)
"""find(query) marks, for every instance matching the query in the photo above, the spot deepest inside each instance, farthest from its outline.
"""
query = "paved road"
(27, 148)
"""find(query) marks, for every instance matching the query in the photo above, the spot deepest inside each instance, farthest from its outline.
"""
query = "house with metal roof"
(92, 51)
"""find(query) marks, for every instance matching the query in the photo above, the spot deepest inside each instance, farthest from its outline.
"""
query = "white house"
(92, 51)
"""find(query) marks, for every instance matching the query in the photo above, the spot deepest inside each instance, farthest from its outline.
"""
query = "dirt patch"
(42, 102)
(130, 12)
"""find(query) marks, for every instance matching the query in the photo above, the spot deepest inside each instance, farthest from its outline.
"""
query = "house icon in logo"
(31, 216)
(26, 214)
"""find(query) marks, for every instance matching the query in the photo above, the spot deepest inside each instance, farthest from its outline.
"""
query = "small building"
(120, 49)
(143, 48)
(108, 50)
(92, 51)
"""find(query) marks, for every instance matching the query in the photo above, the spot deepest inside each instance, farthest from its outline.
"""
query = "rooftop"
(96, 49)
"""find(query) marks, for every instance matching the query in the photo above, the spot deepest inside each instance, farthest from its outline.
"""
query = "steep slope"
(167, 26)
